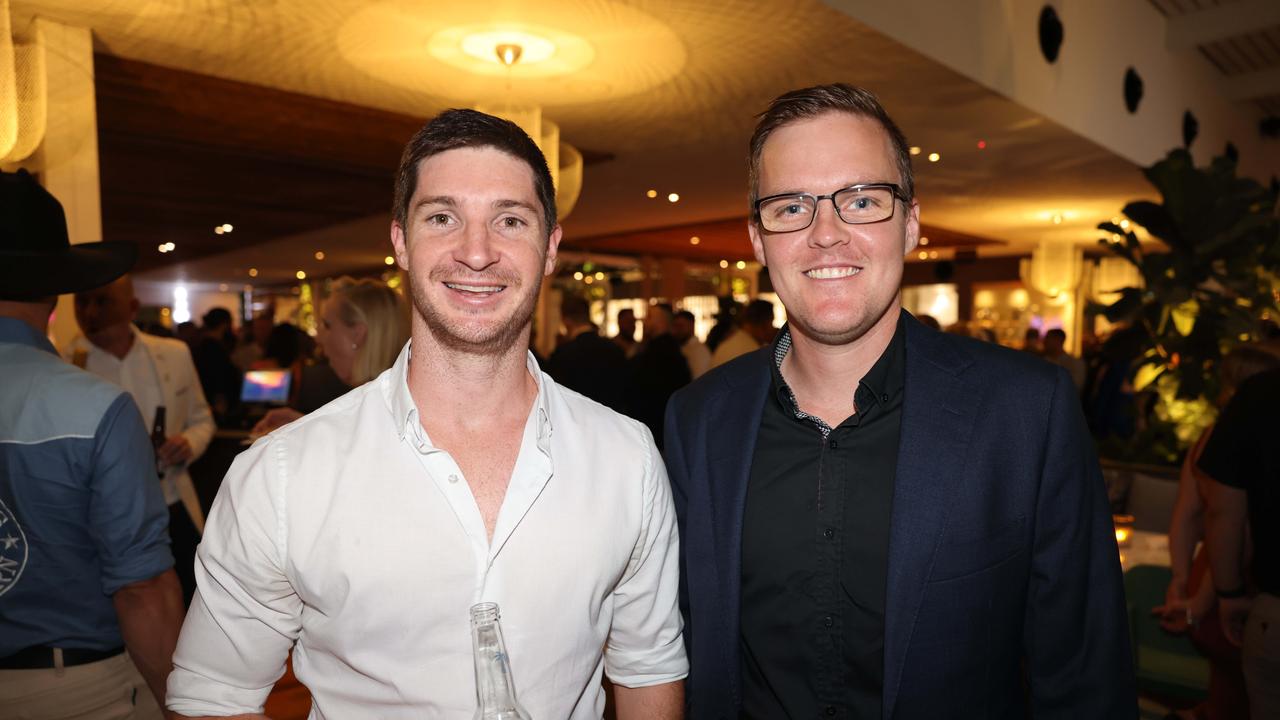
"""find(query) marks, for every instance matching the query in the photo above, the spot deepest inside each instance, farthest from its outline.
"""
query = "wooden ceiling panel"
(181, 153)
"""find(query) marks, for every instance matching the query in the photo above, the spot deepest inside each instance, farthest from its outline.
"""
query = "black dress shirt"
(815, 545)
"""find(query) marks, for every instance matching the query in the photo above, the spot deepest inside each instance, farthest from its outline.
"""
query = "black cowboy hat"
(36, 257)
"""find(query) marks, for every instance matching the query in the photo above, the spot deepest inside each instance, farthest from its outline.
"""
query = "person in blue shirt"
(85, 566)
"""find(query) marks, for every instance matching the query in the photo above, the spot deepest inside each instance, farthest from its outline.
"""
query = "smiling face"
(475, 249)
(837, 281)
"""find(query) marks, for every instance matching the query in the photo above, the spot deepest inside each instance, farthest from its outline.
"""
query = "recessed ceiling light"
(652, 194)
(742, 264)
(218, 230)
(253, 272)
(695, 240)
(301, 275)
(933, 254)
(171, 246)
(599, 275)
(577, 275)
(924, 241)
(924, 255)
(226, 227)
(934, 157)
(319, 254)
(673, 197)
(388, 260)
(1057, 218)
(588, 279)
(724, 263)
(915, 150)
(162, 248)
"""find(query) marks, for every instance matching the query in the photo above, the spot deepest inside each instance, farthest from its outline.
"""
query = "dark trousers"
(184, 538)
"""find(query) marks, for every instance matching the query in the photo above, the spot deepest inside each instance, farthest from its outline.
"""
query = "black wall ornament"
(1190, 128)
(1132, 90)
(1051, 34)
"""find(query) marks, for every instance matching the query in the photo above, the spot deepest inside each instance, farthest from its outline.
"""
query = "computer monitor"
(266, 387)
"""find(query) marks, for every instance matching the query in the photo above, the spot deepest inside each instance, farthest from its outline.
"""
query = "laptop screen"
(266, 386)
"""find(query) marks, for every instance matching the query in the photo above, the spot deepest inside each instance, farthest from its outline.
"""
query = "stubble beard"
(483, 340)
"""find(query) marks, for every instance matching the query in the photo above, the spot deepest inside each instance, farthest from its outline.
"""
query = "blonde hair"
(383, 312)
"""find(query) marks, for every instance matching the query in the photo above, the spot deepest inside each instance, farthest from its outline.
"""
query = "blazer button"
(828, 533)
(830, 710)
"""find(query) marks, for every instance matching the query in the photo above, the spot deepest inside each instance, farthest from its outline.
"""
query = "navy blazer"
(1004, 591)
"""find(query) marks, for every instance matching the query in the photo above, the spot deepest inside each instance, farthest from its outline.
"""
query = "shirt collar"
(13, 330)
(885, 378)
(395, 389)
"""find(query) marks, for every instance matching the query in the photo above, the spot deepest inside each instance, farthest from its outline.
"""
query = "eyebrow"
(842, 187)
(450, 201)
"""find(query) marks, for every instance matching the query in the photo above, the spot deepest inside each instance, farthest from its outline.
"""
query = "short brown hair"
(814, 101)
(454, 129)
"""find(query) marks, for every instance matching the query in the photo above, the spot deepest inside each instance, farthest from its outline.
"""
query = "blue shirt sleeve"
(128, 519)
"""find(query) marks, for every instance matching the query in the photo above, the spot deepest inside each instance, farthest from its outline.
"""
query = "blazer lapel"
(937, 420)
(730, 446)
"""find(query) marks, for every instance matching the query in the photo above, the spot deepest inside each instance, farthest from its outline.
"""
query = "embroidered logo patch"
(13, 549)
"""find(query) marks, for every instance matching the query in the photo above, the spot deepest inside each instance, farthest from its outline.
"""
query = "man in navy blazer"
(878, 520)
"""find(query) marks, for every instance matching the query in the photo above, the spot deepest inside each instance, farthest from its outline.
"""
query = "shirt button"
(828, 621)
(453, 478)
(884, 398)
(828, 533)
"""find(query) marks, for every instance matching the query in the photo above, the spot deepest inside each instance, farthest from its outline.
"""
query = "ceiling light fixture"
(695, 240)
(724, 263)
(563, 160)
(226, 227)
(301, 275)
(651, 194)
(388, 260)
(218, 230)
(253, 272)
(924, 241)
(673, 197)
(915, 150)
(578, 276)
(934, 157)
(319, 254)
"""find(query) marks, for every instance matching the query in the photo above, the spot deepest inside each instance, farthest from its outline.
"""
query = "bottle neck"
(495, 690)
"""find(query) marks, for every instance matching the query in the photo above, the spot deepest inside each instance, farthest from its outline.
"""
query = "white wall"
(996, 43)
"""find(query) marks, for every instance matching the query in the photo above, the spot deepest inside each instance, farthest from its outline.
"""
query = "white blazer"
(186, 410)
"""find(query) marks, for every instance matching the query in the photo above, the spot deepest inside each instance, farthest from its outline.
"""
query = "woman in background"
(363, 326)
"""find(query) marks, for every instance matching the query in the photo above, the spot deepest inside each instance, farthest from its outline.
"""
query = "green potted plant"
(1211, 279)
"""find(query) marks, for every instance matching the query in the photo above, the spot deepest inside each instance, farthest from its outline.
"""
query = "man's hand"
(1232, 612)
(175, 451)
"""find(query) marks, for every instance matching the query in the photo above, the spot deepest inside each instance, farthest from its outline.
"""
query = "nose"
(827, 229)
(476, 248)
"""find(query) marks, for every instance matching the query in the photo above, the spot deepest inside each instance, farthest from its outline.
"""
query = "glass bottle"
(158, 438)
(495, 691)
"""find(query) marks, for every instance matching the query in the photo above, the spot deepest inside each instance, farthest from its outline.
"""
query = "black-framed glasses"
(855, 205)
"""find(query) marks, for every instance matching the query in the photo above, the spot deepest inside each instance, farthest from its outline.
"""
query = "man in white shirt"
(360, 535)
(159, 373)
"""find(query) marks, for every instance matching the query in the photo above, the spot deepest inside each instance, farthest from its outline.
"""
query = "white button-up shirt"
(348, 537)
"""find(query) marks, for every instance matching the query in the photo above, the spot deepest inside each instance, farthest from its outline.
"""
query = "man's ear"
(553, 246)
(757, 245)
(399, 245)
(911, 237)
